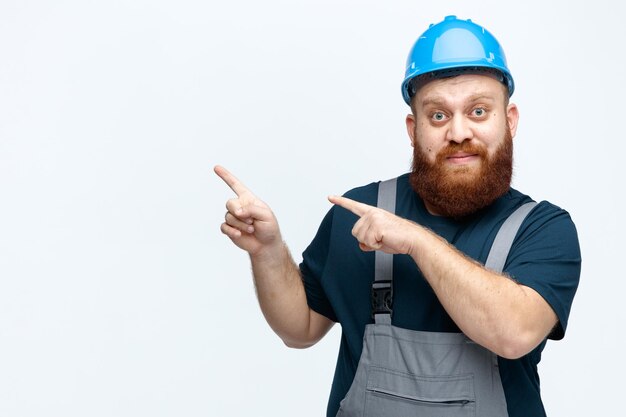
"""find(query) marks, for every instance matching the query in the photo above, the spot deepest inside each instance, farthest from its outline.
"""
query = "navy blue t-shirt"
(337, 276)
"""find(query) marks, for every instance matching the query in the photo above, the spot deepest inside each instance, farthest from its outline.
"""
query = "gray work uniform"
(404, 373)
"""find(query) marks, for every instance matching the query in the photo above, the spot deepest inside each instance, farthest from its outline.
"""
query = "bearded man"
(447, 282)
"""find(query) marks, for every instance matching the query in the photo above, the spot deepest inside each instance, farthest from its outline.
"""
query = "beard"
(457, 192)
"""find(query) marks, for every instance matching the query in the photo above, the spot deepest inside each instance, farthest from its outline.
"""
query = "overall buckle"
(382, 297)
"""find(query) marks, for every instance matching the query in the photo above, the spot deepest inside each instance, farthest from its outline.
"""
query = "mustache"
(465, 146)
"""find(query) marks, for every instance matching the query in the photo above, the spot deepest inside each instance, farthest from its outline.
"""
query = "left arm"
(490, 308)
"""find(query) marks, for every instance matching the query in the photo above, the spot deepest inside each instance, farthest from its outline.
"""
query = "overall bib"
(406, 373)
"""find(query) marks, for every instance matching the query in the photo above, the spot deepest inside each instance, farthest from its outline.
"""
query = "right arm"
(252, 226)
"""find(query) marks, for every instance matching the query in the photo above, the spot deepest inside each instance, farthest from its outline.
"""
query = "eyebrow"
(440, 101)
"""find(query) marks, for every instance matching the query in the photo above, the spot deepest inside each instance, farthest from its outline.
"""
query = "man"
(449, 335)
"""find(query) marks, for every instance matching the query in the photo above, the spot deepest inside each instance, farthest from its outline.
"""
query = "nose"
(459, 130)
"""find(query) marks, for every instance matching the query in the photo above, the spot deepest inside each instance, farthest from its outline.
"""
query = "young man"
(439, 314)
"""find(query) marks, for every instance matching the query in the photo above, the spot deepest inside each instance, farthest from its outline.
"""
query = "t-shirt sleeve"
(545, 256)
(312, 268)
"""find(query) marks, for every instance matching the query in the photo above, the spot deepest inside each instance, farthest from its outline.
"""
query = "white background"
(118, 294)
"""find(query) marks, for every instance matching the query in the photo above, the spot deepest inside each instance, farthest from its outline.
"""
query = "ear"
(512, 117)
(410, 127)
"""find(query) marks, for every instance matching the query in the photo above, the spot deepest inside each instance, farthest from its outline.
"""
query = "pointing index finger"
(230, 180)
(354, 206)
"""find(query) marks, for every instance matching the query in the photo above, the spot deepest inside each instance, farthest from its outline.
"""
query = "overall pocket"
(391, 393)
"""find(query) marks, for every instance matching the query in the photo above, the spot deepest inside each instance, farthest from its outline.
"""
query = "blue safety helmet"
(454, 47)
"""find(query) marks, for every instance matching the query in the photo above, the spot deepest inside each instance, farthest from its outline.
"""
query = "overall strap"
(382, 287)
(504, 239)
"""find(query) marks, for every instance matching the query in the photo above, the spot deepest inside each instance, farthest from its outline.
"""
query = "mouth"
(461, 158)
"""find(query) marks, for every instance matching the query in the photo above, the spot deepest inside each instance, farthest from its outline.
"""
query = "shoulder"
(514, 198)
(543, 211)
(547, 241)
(367, 194)
(341, 218)
(546, 211)
(546, 216)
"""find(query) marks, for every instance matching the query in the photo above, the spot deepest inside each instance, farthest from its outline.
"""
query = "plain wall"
(118, 294)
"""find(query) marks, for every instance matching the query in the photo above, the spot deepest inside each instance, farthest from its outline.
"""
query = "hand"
(378, 229)
(249, 222)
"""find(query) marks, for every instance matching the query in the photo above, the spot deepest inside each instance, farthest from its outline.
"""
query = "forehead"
(460, 89)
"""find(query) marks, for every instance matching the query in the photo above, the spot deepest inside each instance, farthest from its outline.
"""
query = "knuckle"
(378, 215)
(233, 206)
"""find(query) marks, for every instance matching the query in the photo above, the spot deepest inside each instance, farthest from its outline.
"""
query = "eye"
(438, 116)
(479, 112)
